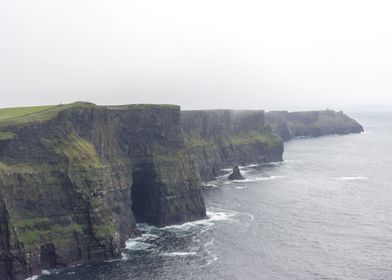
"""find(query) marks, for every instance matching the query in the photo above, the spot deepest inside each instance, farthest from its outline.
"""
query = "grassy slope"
(22, 115)
(10, 113)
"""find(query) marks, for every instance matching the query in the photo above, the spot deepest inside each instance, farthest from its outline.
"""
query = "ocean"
(325, 212)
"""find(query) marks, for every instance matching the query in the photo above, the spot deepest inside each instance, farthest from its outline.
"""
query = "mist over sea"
(323, 213)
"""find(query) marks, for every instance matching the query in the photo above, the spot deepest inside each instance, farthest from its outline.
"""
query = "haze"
(198, 54)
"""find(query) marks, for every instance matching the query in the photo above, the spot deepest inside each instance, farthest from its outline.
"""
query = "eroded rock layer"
(74, 180)
(219, 139)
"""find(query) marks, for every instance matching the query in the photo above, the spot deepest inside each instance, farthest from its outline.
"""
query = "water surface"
(323, 213)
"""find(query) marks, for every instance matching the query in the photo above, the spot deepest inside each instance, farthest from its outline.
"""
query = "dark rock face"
(311, 123)
(218, 139)
(236, 174)
(72, 186)
(75, 179)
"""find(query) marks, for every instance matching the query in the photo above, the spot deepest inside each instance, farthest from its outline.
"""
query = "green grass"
(35, 231)
(173, 156)
(22, 167)
(80, 153)
(196, 141)
(5, 135)
(270, 140)
(22, 115)
(9, 113)
(104, 230)
(29, 223)
(145, 106)
(4, 167)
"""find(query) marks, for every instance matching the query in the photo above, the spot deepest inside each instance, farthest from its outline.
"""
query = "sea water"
(325, 212)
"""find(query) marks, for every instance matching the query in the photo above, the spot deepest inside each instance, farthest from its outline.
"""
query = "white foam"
(187, 225)
(124, 257)
(136, 245)
(232, 212)
(219, 216)
(149, 236)
(241, 187)
(226, 170)
(214, 258)
(249, 166)
(351, 178)
(209, 243)
(35, 277)
(257, 179)
(49, 271)
(213, 184)
(178, 254)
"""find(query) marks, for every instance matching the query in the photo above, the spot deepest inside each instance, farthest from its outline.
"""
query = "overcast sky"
(198, 54)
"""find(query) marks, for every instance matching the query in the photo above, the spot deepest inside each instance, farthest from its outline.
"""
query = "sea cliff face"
(74, 179)
(311, 123)
(218, 139)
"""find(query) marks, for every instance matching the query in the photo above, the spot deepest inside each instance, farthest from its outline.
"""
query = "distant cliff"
(75, 178)
(311, 123)
(217, 139)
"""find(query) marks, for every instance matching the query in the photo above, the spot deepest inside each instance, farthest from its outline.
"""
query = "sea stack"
(236, 174)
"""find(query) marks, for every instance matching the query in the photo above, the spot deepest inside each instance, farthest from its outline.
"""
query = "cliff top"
(23, 115)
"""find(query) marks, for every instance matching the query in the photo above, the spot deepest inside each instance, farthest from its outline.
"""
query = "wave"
(251, 166)
(178, 254)
(35, 277)
(219, 216)
(211, 184)
(226, 170)
(137, 245)
(351, 178)
(213, 258)
(209, 243)
(257, 179)
(241, 187)
(232, 212)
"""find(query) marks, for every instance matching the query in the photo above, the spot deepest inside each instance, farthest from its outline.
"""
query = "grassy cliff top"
(144, 106)
(23, 115)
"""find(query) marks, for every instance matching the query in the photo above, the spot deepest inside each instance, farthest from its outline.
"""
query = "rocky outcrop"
(311, 123)
(74, 180)
(236, 174)
(218, 139)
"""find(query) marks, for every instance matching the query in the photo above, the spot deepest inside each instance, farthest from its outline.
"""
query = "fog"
(198, 54)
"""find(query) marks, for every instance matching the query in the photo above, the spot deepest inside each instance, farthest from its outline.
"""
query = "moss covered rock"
(218, 139)
(75, 178)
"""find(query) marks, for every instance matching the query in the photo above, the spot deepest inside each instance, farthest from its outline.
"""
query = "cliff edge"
(289, 125)
(74, 179)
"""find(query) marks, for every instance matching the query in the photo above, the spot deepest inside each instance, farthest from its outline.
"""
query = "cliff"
(75, 178)
(217, 139)
(311, 123)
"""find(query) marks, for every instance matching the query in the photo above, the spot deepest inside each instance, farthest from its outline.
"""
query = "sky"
(198, 54)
